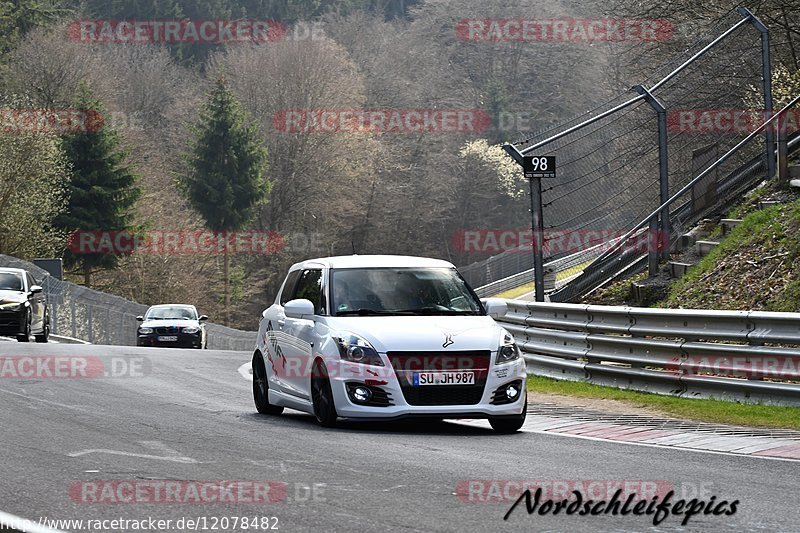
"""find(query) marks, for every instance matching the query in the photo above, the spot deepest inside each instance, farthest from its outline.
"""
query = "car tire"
(261, 388)
(45, 335)
(509, 424)
(322, 396)
(25, 337)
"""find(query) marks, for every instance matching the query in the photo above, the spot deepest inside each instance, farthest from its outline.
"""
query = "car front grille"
(168, 330)
(405, 364)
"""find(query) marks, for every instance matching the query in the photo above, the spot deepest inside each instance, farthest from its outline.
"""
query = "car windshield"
(10, 281)
(401, 291)
(177, 312)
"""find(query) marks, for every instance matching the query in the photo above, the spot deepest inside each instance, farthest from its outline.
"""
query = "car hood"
(169, 323)
(423, 333)
(12, 296)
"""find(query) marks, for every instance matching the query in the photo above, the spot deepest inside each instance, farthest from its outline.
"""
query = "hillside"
(755, 267)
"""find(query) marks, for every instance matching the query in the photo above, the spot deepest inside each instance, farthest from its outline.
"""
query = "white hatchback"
(386, 337)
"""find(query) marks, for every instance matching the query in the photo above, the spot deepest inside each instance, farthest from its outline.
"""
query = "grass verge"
(754, 415)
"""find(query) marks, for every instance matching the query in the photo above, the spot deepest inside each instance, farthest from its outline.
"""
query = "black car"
(23, 306)
(175, 325)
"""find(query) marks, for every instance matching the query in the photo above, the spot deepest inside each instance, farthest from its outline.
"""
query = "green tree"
(103, 190)
(226, 179)
(17, 17)
(33, 189)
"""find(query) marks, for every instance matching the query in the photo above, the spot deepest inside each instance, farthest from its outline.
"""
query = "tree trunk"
(227, 282)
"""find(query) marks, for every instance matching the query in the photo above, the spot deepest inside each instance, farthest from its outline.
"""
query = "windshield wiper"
(364, 312)
(435, 311)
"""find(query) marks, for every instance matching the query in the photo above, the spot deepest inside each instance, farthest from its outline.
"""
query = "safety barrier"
(751, 356)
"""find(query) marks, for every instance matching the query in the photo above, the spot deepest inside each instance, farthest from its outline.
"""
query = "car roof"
(171, 305)
(12, 270)
(373, 261)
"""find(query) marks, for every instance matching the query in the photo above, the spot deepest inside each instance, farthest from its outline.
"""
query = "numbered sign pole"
(533, 167)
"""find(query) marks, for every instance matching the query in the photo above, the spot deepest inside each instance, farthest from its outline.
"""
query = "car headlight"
(145, 331)
(191, 329)
(357, 350)
(11, 306)
(508, 351)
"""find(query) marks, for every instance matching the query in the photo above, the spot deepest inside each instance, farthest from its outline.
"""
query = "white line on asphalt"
(246, 371)
(16, 523)
(184, 460)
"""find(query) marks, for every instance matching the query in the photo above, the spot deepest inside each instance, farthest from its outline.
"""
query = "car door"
(272, 332)
(297, 343)
(37, 305)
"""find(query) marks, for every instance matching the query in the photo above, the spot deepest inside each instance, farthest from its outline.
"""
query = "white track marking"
(246, 371)
(184, 460)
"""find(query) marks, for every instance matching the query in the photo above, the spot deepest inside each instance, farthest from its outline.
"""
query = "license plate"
(167, 338)
(443, 378)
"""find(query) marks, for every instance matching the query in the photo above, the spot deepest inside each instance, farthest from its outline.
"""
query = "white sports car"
(385, 337)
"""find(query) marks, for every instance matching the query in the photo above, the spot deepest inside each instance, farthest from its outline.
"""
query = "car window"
(310, 287)
(288, 287)
(31, 281)
(10, 281)
(402, 290)
(172, 312)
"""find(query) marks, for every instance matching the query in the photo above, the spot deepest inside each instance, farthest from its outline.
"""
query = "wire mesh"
(100, 318)
(608, 170)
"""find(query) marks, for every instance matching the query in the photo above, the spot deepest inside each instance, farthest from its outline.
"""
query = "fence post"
(73, 319)
(783, 151)
(90, 323)
(537, 222)
(652, 248)
(766, 83)
(663, 165)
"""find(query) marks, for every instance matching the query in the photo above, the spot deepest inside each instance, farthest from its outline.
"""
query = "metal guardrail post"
(663, 162)
(766, 83)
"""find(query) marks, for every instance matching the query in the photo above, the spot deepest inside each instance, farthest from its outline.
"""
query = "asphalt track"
(187, 415)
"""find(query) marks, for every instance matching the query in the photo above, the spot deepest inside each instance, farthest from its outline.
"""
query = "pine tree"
(102, 190)
(226, 178)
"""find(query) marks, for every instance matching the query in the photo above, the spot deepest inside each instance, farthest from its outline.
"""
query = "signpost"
(536, 168)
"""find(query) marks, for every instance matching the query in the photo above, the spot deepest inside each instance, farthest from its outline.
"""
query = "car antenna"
(353, 244)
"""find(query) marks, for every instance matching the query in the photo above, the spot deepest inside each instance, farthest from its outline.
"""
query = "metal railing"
(100, 318)
(623, 158)
(733, 355)
(615, 261)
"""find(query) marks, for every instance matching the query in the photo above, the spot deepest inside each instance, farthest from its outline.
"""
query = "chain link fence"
(100, 318)
(609, 170)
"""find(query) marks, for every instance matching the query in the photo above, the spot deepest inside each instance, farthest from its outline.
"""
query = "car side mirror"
(495, 307)
(300, 308)
(140, 318)
(35, 289)
(203, 318)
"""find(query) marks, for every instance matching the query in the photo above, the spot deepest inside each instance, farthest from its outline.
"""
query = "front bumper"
(184, 340)
(480, 402)
(12, 322)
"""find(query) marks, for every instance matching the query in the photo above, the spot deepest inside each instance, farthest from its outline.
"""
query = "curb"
(68, 340)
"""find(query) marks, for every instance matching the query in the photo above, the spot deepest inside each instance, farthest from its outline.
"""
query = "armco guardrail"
(748, 356)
